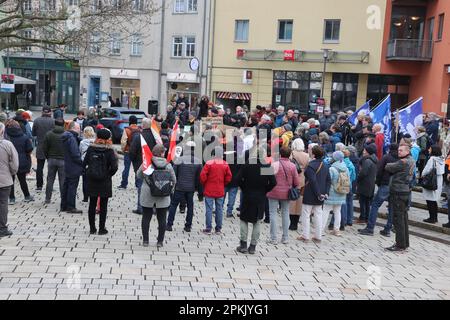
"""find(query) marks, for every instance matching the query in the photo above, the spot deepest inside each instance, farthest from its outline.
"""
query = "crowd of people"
(309, 171)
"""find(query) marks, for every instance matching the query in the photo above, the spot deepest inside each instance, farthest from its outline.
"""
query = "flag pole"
(397, 124)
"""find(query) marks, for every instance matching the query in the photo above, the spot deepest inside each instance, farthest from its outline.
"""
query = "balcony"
(410, 50)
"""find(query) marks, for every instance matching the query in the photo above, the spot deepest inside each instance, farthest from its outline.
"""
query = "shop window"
(285, 28)
(344, 91)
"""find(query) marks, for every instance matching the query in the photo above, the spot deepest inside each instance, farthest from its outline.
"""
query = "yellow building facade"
(271, 52)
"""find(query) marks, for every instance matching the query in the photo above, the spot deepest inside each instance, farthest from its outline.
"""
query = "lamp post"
(326, 56)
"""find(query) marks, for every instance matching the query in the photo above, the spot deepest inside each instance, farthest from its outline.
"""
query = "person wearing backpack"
(100, 164)
(156, 190)
(340, 187)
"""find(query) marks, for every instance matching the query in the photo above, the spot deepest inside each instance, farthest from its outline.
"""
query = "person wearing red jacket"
(215, 175)
(379, 140)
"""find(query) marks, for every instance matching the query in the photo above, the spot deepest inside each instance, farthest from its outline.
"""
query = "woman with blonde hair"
(89, 138)
(301, 159)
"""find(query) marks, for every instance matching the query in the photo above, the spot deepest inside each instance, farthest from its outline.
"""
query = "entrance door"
(94, 92)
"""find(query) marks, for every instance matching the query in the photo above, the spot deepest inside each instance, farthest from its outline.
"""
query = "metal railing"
(410, 49)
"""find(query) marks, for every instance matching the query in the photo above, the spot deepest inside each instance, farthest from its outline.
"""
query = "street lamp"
(326, 55)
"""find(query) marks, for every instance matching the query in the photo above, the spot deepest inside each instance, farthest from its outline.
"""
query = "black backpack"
(98, 166)
(160, 182)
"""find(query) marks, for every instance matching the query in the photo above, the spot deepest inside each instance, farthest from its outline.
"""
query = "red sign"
(6, 77)
(240, 53)
(289, 55)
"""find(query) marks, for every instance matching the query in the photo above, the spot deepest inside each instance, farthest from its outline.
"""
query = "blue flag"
(353, 119)
(411, 117)
(382, 115)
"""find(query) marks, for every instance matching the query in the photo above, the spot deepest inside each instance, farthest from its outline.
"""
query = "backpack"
(343, 183)
(98, 167)
(159, 182)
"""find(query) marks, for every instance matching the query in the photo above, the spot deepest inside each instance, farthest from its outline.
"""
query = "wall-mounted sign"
(182, 77)
(289, 55)
(247, 77)
(194, 64)
(7, 84)
(123, 73)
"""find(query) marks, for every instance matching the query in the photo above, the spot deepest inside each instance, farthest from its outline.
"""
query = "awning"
(22, 80)
(233, 95)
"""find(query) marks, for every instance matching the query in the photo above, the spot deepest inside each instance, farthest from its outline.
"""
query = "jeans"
(306, 223)
(381, 196)
(40, 173)
(177, 197)
(147, 214)
(69, 193)
(4, 193)
(231, 194)
(255, 232)
(364, 204)
(349, 208)
(139, 183)
(103, 212)
(54, 166)
(126, 170)
(400, 217)
(209, 203)
(22, 177)
(273, 205)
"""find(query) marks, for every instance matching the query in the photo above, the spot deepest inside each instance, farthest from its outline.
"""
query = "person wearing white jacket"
(432, 197)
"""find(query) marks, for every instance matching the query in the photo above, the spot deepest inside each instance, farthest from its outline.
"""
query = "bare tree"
(74, 28)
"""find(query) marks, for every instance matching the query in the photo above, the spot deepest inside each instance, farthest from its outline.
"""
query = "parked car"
(116, 120)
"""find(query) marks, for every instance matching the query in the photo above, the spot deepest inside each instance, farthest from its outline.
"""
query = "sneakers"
(218, 232)
(207, 232)
(385, 233)
(182, 210)
(102, 232)
(74, 211)
(5, 233)
(159, 244)
(169, 228)
(29, 199)
(272, 242)
(365, 232)
(186, 229)
(12, 202)
(285, 241)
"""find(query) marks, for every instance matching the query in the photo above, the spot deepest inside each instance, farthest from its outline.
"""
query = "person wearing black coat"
(24, 148)
(256, 179)
(203, 106)
(100, 188)
(366, 181)
(231, 189)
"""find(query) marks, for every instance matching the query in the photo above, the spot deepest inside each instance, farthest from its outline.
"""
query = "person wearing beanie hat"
(340, 187)
(366, 181)
(100, 164)
(382, 195)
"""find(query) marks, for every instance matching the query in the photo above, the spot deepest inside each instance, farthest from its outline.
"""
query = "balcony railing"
(409, 49)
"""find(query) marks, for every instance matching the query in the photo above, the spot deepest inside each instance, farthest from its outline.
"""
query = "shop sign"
(7, 84)
(182, 77)
(123, 73)
(289, 55)
(278, 98)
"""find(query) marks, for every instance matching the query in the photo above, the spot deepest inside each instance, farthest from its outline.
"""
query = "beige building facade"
(271, 52)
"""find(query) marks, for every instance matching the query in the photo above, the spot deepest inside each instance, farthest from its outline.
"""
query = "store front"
(233, 99)
(183, 83)
(128, 91)
(57, 81)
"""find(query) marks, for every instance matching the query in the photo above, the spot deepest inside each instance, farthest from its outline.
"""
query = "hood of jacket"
(14, 132)
(68, 135)
(159, 162)
(339, 166)
(439, 163)
(58, 129)
(372, 157)
(100, 147)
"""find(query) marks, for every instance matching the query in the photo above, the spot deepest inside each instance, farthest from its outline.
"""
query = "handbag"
(429, 181)
(302, 190)
(293, 193)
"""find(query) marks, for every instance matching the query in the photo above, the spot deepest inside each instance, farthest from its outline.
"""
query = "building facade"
(345, 51)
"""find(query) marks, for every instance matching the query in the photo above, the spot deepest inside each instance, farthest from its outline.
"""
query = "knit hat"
(288, 127)
(338, 156)
(104, 134)
(133, 120)
(371, 148)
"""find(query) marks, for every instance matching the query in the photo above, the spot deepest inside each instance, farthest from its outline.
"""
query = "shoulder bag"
(429, 181)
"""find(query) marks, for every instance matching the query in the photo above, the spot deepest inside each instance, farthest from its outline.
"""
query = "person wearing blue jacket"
(278, 122)
(73, 167)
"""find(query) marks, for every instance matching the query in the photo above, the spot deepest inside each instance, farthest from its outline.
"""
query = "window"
(241, 31)
(115, 44)
(441, 26)
(332, 30)
(27, 5)
(177, 47)
(136, 45)
(73, 2)
(180, 6)
(190, 47)
(95, 45)
(285, 30)
(27, 34)
(50, 5)
(380, 86)
(192, 6)
(296, 89)
(73, 49)
(138, 5)
(344, 91)
(97, 5)
(430, 29)
(116, 4)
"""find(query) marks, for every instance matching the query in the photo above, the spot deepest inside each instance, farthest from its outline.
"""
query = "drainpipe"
(213, 17)
(163, 12)
(202, 63)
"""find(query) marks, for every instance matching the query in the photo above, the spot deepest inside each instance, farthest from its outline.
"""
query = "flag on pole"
(382, 115)
(155, 132)
(173, 142)
(147, 156)
(353, 119)
(411, 117)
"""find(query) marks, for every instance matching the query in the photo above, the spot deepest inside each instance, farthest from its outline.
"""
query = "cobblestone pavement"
(52, 256)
